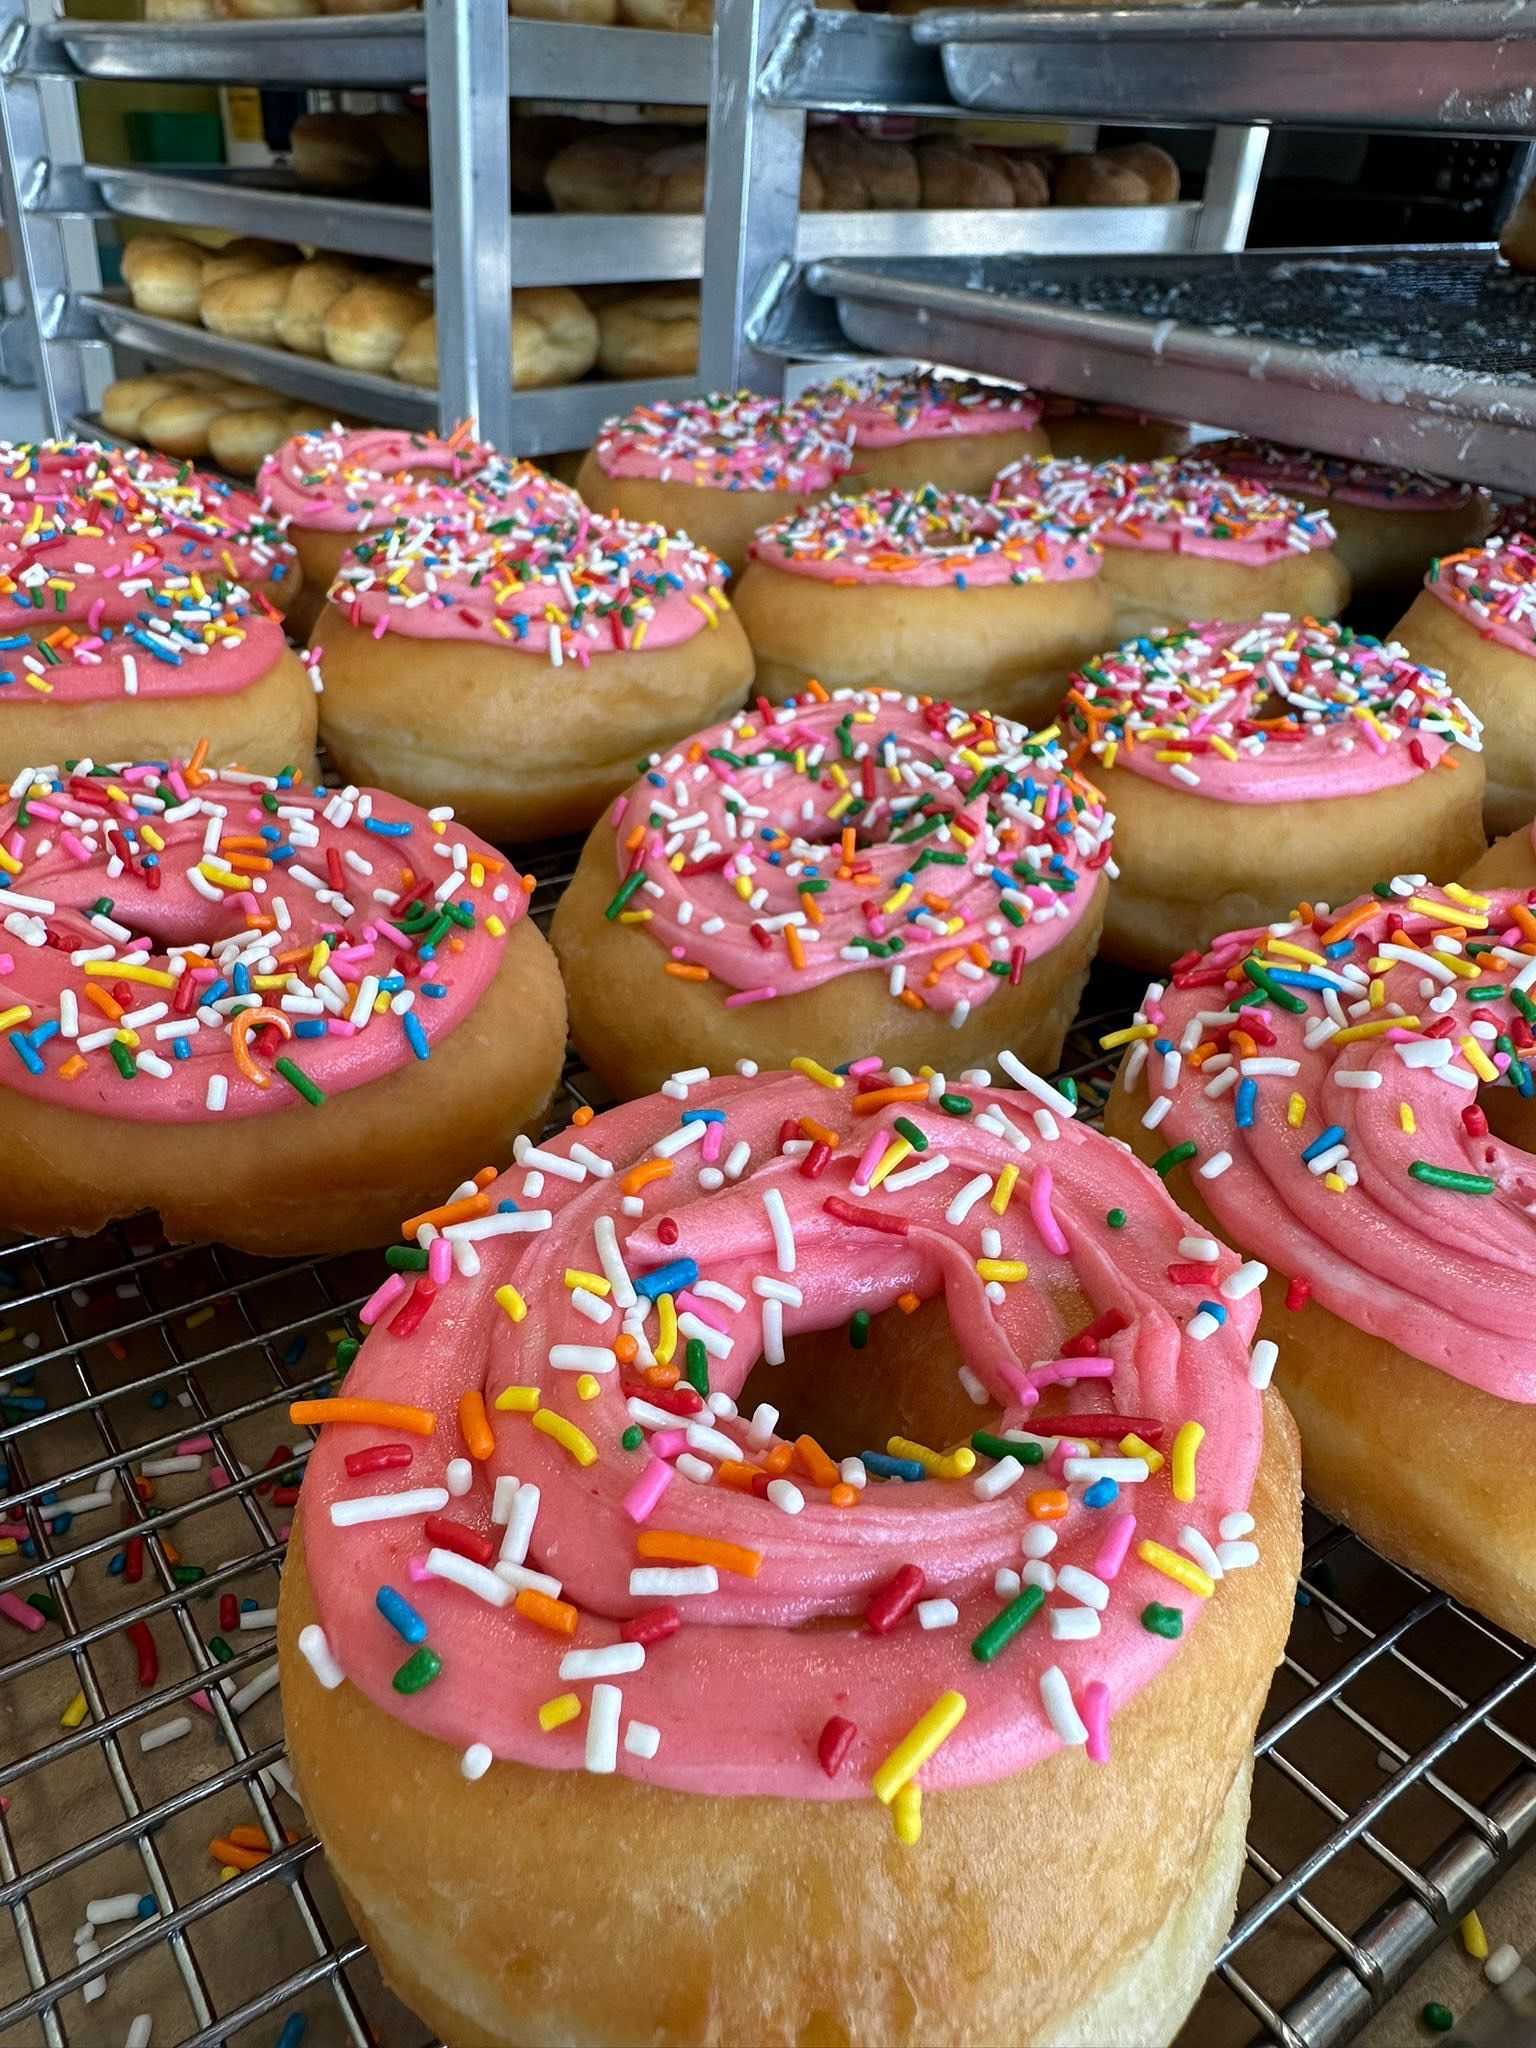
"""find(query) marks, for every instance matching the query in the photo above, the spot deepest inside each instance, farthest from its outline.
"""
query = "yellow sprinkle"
(1005, 1270)
(837, 774)
(570, 1439)
(1407, 1119)
(1472, 901)
(1289, 950)
(593, 1282)
(1374, 1029)
(891, 1158)
(1445, 913)
(495, 927)
(1132, 1446)
(959, 1463)
(74, 1713)
(1043, 739)
(477, 874)
(666, 1334)
(222, 881)
(843, 803)
(565, 1706)
(116, 970)
(697, 598)
(1335, 1184)
(1478, 1060)
(916, 1454)
(1224, 747)
(918, 1745)
(813, 1070)
(1002, 1193)
(1377, 992)
(1295, 1111)
(1473, 1938)
(18, 1015)
(587, 1388)
(1186, 1445)
(1177, 1568)
(1111, 1039)
(509, 1299)
(896, 899)
(517, 1400)
(8, 1546)
(907, 1814)
(151, 838)
(635, 916)
(198, 1317)
(9, 862)
(744, 887)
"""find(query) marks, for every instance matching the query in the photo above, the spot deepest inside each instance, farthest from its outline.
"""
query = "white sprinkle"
(1032, 1084)
(506, 1487)
(1235, 1525)
(1124, 1471)
(715, 1342)
(777, 1290)
(603, 1727)
(522, 1580)
(1261, 1362)
(783, 1233)
(527, 1154)
(1191, 1540)
(388, 1507)
(765, 1420)
(736, 1159)
(662, 1582)
(173, 1730)
(1356, 1077)
(218, 1092)
(162, 1468)
(1073, 1624)
(1037, 1572)
(937, 1614)
(138, 2035)
(1237, 1556)
(475, 1761)
(522, 1513)
(997, 1478)
(599, 1167)
(910, 1176)
(590, 1305)
(459, 1477)
(475, 1578)
(716, 1290)
(642, 1740)
(510, 1223)
(1061, 1709)
(266, 1681)
(1215, 1166)
(119, 1906)
(1251, 1274)
(852, 1472)
(786, 1496)
(582, 1358)
(1202, 1249)
(611, 1259)
(773, 1333)
(1085, 1586)
(713, 1442)
(1156, 1110)
(1502, 1964)
(1006, 1583)
(699, 1470)
(254, 1618)
(1201, 1326)
(968, 1197)
(672, 1142)
(609, 1661)
(974, 1389)
(1047, 1125)
(1038, 1540)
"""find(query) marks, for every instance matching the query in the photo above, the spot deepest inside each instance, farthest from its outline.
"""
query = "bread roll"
(124, 403)
(178, 424)
(312, 291)
(1155, 166)
(242, 441)
(269, 10)
(336, 152)
(180, 10)
(554, 341)
(369, 6)
(244, 397)
(650, 332)
(680, 173)
(246, 308)
(537, 139)
(1030, 185)
(597, 13)
(310, 419)
(1096, 179)
(365, 327)
(402, 136)
(954, 174)
(416, 362)
(696, 17)
(860, 174)
(243, 258)
(164, 276)
(603, 174)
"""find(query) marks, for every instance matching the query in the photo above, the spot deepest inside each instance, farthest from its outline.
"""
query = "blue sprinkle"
(891, 1468)
(242, 979)
(703, 1116)
(434, 988)
(1214, 1310)
(248, 1605)
(506, 1208)
(658, 781)
(415, 1036)
(115, 1564)
(400, 829)
(391, 984)
(1247, 1095)
(400, 1614)
(667, 1279)
(293, 2031)
(159, 1398)
(309, 1027)
(1322, 1143)
(62, 1524)
(1102, 1494)
(1291, 977)
(180, 1047)
(43, 1033)
(147, 1907)
(213, 992)
(295, 1351)
(21, 1045)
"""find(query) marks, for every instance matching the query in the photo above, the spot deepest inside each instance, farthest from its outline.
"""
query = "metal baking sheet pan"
(351, 50)
(1424, 357)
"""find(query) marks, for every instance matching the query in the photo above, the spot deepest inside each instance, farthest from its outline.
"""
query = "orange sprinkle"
(227, 1852)
(913, 1001)
(850, 845)
(685, 970)
(558, 1616)
(877, 1098)
(382, 1414)
(819, 1134)
(811, 908)
(73, 1067)
(193, 772)
(625, 1349)
(94, 993)
(909, 1303)
(661, 1375)
(584, 1115)
(739, 1477)
(248, 863)
(676, 1546)
(450, 1212)
(815, 690)
(479, 1437)
(779, 1460)
(793, 947)
(642, 1175)
(815, 1461)
(843, 1496)
(1523, 918)
(1350, 921)
(484, 1177)
(1049, 1505)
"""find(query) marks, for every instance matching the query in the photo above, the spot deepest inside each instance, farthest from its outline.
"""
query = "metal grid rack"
(1396, 1770)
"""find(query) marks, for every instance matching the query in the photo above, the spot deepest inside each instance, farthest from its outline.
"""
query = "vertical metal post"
(752, 196)
(1231, 187)
(468, 94)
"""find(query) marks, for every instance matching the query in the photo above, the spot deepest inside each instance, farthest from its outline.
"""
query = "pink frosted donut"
(1182, 541)
(985, 605)
(717, 467)
(1251, 768)
(665, 1585)
(1338, 1130)
(866, 873)
(1088, 432)
(922, 428)
(152, 912)
(1389, 523)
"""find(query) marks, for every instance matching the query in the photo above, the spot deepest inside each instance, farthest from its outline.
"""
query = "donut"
(652, 331)
(1254, 767)
(1181, 541)
(247, 308)
(126, 400)
(554, 341)
(326, 487)
(242, 441)
(244, 257)
(164, 275)
(365, 327)
(1026, 1626)
(312, 291)
(925, 429)
(1475, 617)
(990, 606)
(1514, 519)
(716, 468)
(1510, 863)
(1388, 523)
(515, 661)
(866, 872)
(151, 908)
(1352, 1162)
(1084, 432)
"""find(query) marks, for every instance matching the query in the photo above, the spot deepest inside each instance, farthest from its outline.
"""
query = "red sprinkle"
(382, 1458)
(1191, 1275)
(1102, 1426)
(866, 1219)
(676, 1400)
(1298, 1293)
(133, 1561)
(1475, 1122)
(1087, 1342)
(834, 1743)
(447, 1534)
(816, 1160)
(666, 1230)
(900, 1593)
(411, 1316)
(653, 1627)
(229, 1613)
(143, 1643)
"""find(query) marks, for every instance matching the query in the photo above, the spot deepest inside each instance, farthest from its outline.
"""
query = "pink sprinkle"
(1066, 1447)
(42, 810)
(440, 1262)
(706, 1311)
(1058, 1372)
(383, 1297)
(178, 782)
(340, 1027)
(1094, 1708)
(669, 1443)
(75, 846)
(18, 1611)
(7, 962)
(216, 1477)
(1019, 1387)
(714, 1141)
(749, 995)
(416, 1570)
(1117, 1541)
(193, 1445)
(871, 1157)
(93, 616)
(620, 806)
(1041, 1212)
(16, 1531)
(391, 932)
(870, 1064)
(641, 1499)
(201, 1701)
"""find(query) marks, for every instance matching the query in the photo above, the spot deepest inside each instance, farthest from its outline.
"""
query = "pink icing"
(1295, 471)
(1494, 589)
(1275, 711)
(740, 1692)
(74, 839)
(1443, 1274)
(568, 591)
(926, 540)
(337, 482)
(1018, 831)
(169, 644)
(1176, 505)
(884, 412)
(727, 442)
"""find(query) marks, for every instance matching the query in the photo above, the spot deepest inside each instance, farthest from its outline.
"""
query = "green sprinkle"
(406, 1258)
(1116, 1219)
(696, 1370)
(299, 1081)
(1163, 1621)
(102, 907)
(626, 889)
(1011, 911)
(221, 1649)
(1281, 996)
(1004, 1447)
(1489, 992)
(1004, 1626)
(1524, 1005)
(956, 1105)
(633, 1437)
(1174, 1156)
(187, 1574)
(917, 1139)
(1449, 1177)
(1438, 2018)
(858, 1329)
(45, 1605)
(418, 1670)
(123, 1058)
(1068, 1087)
(346, 1351)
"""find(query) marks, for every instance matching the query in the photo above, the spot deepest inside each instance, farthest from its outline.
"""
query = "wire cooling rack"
(1396, 1774)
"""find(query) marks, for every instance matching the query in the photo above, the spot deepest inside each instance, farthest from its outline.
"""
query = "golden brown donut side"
(952, 462)
(722, 520)
(634, 1025)
(1387, 548)
(1156, 591)
(336, 1178)
(1510, 863)
(1104, 437)
(1499, 684)
(519, 748)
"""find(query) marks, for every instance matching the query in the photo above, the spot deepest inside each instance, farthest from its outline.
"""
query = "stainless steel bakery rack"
(1395, 1776)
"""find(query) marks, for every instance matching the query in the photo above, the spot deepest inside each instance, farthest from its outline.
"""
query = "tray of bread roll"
(363, 50)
